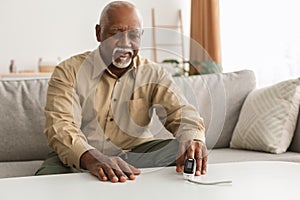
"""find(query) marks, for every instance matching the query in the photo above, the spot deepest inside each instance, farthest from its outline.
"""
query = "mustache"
(123, 50)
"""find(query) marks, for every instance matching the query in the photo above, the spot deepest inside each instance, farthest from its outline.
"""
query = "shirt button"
(115, 100)
(107, 139)
(111, 119)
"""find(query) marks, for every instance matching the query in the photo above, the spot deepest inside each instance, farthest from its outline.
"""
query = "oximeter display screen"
(189, 166)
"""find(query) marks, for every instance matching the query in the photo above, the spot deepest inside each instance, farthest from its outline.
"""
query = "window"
(261, 35)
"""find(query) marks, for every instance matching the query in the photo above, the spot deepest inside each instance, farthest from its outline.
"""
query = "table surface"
(251, 180)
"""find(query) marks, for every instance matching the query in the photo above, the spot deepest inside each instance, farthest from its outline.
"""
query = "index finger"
(181, 156)
(128, 169)
(198, 158)
(191, 149)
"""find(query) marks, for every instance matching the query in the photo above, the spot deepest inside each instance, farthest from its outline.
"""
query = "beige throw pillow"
(268, 118)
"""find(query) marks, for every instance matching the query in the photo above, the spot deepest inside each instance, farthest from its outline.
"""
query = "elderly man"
(100, 103)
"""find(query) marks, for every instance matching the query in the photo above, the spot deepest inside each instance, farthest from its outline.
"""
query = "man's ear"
(98, 32)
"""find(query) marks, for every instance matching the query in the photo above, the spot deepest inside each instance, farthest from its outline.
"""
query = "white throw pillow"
(268, 118)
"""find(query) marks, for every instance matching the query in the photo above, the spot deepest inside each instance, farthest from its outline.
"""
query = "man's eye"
(134, 36)
(116, 34)
(131, 35)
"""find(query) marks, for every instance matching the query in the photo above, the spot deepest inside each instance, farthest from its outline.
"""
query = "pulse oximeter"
(189, 168)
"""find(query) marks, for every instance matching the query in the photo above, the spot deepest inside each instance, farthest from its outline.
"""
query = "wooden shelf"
(25, 75)
(166, 26)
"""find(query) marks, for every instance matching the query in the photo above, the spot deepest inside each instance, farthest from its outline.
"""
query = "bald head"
(110, 9)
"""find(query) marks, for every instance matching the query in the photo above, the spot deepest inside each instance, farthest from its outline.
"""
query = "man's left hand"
(192, 149)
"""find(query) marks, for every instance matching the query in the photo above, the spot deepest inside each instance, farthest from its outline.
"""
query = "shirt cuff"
(72, 156)
(191, 135)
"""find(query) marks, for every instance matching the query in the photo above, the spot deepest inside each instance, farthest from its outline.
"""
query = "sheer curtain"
(263, 36)
(205, 29)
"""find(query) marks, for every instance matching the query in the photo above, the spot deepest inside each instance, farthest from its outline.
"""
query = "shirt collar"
(98, 63)
(100, 66)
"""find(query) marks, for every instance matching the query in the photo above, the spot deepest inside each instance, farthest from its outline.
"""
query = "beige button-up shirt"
(89, 107)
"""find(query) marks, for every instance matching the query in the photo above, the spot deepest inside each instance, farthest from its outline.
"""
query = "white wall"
(60, 28)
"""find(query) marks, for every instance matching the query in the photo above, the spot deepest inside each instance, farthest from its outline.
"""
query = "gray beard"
(123, 63)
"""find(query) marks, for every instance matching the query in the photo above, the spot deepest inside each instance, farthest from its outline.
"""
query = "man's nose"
(124, 41)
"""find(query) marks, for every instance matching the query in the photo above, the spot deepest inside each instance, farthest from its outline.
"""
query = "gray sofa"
(218, 97)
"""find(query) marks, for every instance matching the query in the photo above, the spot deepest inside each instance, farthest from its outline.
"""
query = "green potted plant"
(207, 67)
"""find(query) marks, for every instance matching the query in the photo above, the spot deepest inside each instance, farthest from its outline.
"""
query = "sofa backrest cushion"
(219, 99)
(22, 119)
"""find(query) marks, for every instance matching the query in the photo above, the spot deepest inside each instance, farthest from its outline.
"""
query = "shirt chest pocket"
(139, 111)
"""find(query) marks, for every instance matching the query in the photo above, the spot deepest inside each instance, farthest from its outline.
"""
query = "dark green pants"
(156, 153)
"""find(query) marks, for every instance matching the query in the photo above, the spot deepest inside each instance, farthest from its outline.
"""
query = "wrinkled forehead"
(131, 29)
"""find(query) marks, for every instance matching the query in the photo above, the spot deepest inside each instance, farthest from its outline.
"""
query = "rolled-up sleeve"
(63, 117)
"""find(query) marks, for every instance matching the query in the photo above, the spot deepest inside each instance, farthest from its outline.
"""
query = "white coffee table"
(251, 180)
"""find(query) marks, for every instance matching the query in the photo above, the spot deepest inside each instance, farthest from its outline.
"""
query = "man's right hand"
(107, 168)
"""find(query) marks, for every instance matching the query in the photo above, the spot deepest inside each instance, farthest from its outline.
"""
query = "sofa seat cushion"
(236, 155)
(19, 169)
